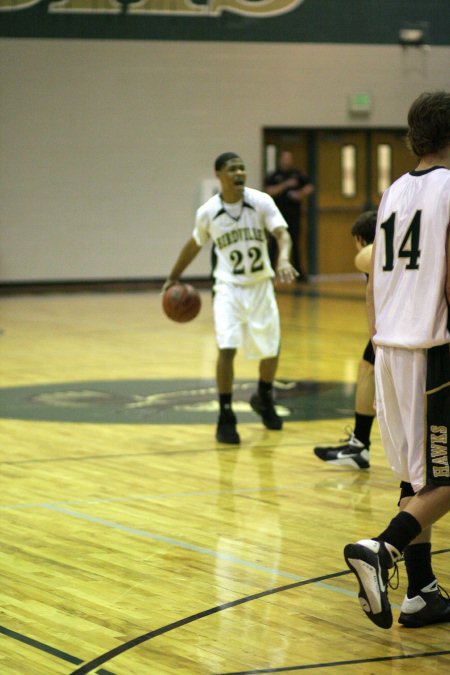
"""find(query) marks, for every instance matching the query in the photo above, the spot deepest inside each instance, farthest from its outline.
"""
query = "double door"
(350, 170)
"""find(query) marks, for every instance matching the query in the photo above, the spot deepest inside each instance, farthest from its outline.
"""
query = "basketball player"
(244, 305)
(408, 300)
(355, 450)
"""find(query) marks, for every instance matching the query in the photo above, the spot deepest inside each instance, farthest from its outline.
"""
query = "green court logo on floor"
(168, 401)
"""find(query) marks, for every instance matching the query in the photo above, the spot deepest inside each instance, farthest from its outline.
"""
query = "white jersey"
(238, 232)
(410, 266)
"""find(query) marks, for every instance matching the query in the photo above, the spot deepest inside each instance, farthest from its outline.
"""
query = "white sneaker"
(363, 559)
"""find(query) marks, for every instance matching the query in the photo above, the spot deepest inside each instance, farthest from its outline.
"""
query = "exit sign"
(360, 103)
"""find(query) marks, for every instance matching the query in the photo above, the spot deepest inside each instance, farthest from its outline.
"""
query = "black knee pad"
(406, 490)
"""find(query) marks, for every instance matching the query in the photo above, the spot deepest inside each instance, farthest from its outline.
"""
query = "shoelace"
(443, 593)
(394, 578)
(348, 430)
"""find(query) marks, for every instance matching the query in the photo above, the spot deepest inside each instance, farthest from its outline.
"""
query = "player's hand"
(285, 272)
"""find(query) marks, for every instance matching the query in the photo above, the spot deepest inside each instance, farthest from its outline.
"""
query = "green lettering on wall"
(85, 6)
(11, 5)
(255, 8)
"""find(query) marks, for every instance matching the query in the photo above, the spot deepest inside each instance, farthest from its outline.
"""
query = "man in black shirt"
(287, 185)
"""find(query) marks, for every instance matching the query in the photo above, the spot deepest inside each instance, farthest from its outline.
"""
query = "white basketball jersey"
(410, 261)
(238, 232)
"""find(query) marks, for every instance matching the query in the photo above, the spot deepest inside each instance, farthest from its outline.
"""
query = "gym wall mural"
(318, 21)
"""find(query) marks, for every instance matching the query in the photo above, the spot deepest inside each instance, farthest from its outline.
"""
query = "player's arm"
(284, 270)
(186, 256)
(370, 304)
(363, 259)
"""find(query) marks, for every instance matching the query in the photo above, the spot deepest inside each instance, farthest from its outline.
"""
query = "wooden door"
(341, 197)
(350, 170)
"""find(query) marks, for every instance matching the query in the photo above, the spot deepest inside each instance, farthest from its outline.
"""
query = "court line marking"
(163, 451)
(328, 664)
(87, 667)
(194, 548)
(120, 649)
(203, 493)
(64, 656)
(299, 582)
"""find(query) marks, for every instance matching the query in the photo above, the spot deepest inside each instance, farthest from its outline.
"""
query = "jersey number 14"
(409, 248)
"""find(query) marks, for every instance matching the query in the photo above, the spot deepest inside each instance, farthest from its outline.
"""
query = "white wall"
(104, 145)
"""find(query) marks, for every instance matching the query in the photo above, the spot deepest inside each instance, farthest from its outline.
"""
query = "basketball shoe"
(226, 431)
(351, 453)
(263, 406)
(428, 607)
(370, 560)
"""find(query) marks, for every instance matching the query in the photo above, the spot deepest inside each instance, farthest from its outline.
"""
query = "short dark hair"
(223, 159)
(364, 226)
(429, 123)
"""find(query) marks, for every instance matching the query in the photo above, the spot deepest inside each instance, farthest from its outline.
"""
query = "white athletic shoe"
(363, 559)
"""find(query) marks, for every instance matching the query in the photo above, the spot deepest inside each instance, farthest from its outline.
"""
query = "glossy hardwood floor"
(133, 544)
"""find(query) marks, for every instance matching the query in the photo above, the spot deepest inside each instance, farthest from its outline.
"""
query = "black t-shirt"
(289, 207)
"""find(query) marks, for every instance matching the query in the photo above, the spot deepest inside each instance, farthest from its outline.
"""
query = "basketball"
(181, 302)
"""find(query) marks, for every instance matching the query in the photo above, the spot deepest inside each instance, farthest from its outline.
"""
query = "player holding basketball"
(244, 305)
(355, 450)
(408, 300)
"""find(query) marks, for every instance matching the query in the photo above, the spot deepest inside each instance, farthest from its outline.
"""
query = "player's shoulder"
(256, 197)
(443, 175)
(212, 205)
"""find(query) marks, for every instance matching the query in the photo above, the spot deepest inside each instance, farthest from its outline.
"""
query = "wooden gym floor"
(133, 544)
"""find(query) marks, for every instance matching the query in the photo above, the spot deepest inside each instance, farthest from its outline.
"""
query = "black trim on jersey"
(425, 171)
(223, 211)
(437, 448)
(213, 268)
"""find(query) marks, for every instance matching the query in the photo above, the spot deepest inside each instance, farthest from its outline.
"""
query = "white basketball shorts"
(400, 381)
(247, 317)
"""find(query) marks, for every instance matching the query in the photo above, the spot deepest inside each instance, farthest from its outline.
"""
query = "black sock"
(264, 388)
(402, 529)
(225, 401)
(418, 567)
(363, 427)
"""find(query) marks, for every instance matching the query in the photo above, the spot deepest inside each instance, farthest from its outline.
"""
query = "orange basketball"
(181, 302)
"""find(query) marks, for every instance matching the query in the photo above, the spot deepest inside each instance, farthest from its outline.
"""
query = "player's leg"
(401, 379)
(227, 312)
(226, 425)
(262, 342)
(424, 603)
(354, 450)
(370, 559)
(262, 401)
(365, 397)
